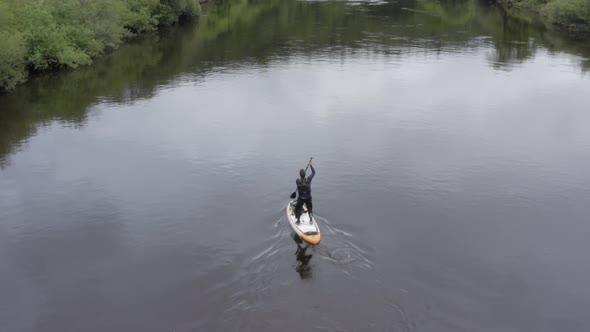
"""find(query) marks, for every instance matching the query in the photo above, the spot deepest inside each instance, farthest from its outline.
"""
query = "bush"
(142, 14)
(172, 10)
(50, 44)
(12, 59)
(40, 35)
(572, 15)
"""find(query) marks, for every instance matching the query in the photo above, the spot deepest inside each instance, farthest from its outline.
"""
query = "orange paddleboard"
(307, 229)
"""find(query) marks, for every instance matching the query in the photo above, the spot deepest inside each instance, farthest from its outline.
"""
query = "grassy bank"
(572, 16)
(40, 35)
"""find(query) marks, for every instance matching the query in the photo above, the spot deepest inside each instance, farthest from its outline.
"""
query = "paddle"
(294, 194)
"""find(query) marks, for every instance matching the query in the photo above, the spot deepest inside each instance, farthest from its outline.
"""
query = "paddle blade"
(293, 194)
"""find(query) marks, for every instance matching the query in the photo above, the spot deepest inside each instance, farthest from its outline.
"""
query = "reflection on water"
(303, 258)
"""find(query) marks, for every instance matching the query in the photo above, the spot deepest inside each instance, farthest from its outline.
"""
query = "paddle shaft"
(308, 163)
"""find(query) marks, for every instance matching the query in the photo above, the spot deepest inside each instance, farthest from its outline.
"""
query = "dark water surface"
(452, 145)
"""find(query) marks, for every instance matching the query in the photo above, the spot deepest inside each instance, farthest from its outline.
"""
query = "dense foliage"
(37, 35)
(572, 16)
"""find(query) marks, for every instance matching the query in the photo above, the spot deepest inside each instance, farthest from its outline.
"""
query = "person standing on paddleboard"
(304, 190)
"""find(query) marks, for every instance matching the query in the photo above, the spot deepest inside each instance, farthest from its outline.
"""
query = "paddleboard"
(307, 229)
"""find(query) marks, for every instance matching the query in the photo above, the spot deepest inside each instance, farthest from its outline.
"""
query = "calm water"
(452, 148)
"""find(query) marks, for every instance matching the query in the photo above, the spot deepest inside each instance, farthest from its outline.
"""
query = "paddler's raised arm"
(312, 173)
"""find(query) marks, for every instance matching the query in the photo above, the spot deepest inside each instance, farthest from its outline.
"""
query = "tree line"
(40, 35)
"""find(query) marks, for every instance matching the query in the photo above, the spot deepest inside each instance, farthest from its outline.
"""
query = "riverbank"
(571, 16)
(39, 36)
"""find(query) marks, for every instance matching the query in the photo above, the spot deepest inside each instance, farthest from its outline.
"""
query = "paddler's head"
(302, 173)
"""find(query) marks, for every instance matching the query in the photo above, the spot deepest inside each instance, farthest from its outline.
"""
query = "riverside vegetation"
(41, 35)
(572, 16)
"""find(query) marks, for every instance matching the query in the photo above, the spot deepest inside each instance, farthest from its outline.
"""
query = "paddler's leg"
(309, 205)
(298, 208)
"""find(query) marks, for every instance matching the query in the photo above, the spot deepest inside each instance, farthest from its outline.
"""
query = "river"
(452, 147)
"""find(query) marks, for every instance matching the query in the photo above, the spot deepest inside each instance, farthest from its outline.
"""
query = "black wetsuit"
(304, 190)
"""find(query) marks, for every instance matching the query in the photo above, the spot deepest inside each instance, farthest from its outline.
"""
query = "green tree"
(12, 59)
(39, 35)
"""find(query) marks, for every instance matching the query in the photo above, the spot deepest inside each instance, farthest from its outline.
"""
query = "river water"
(452, 149)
